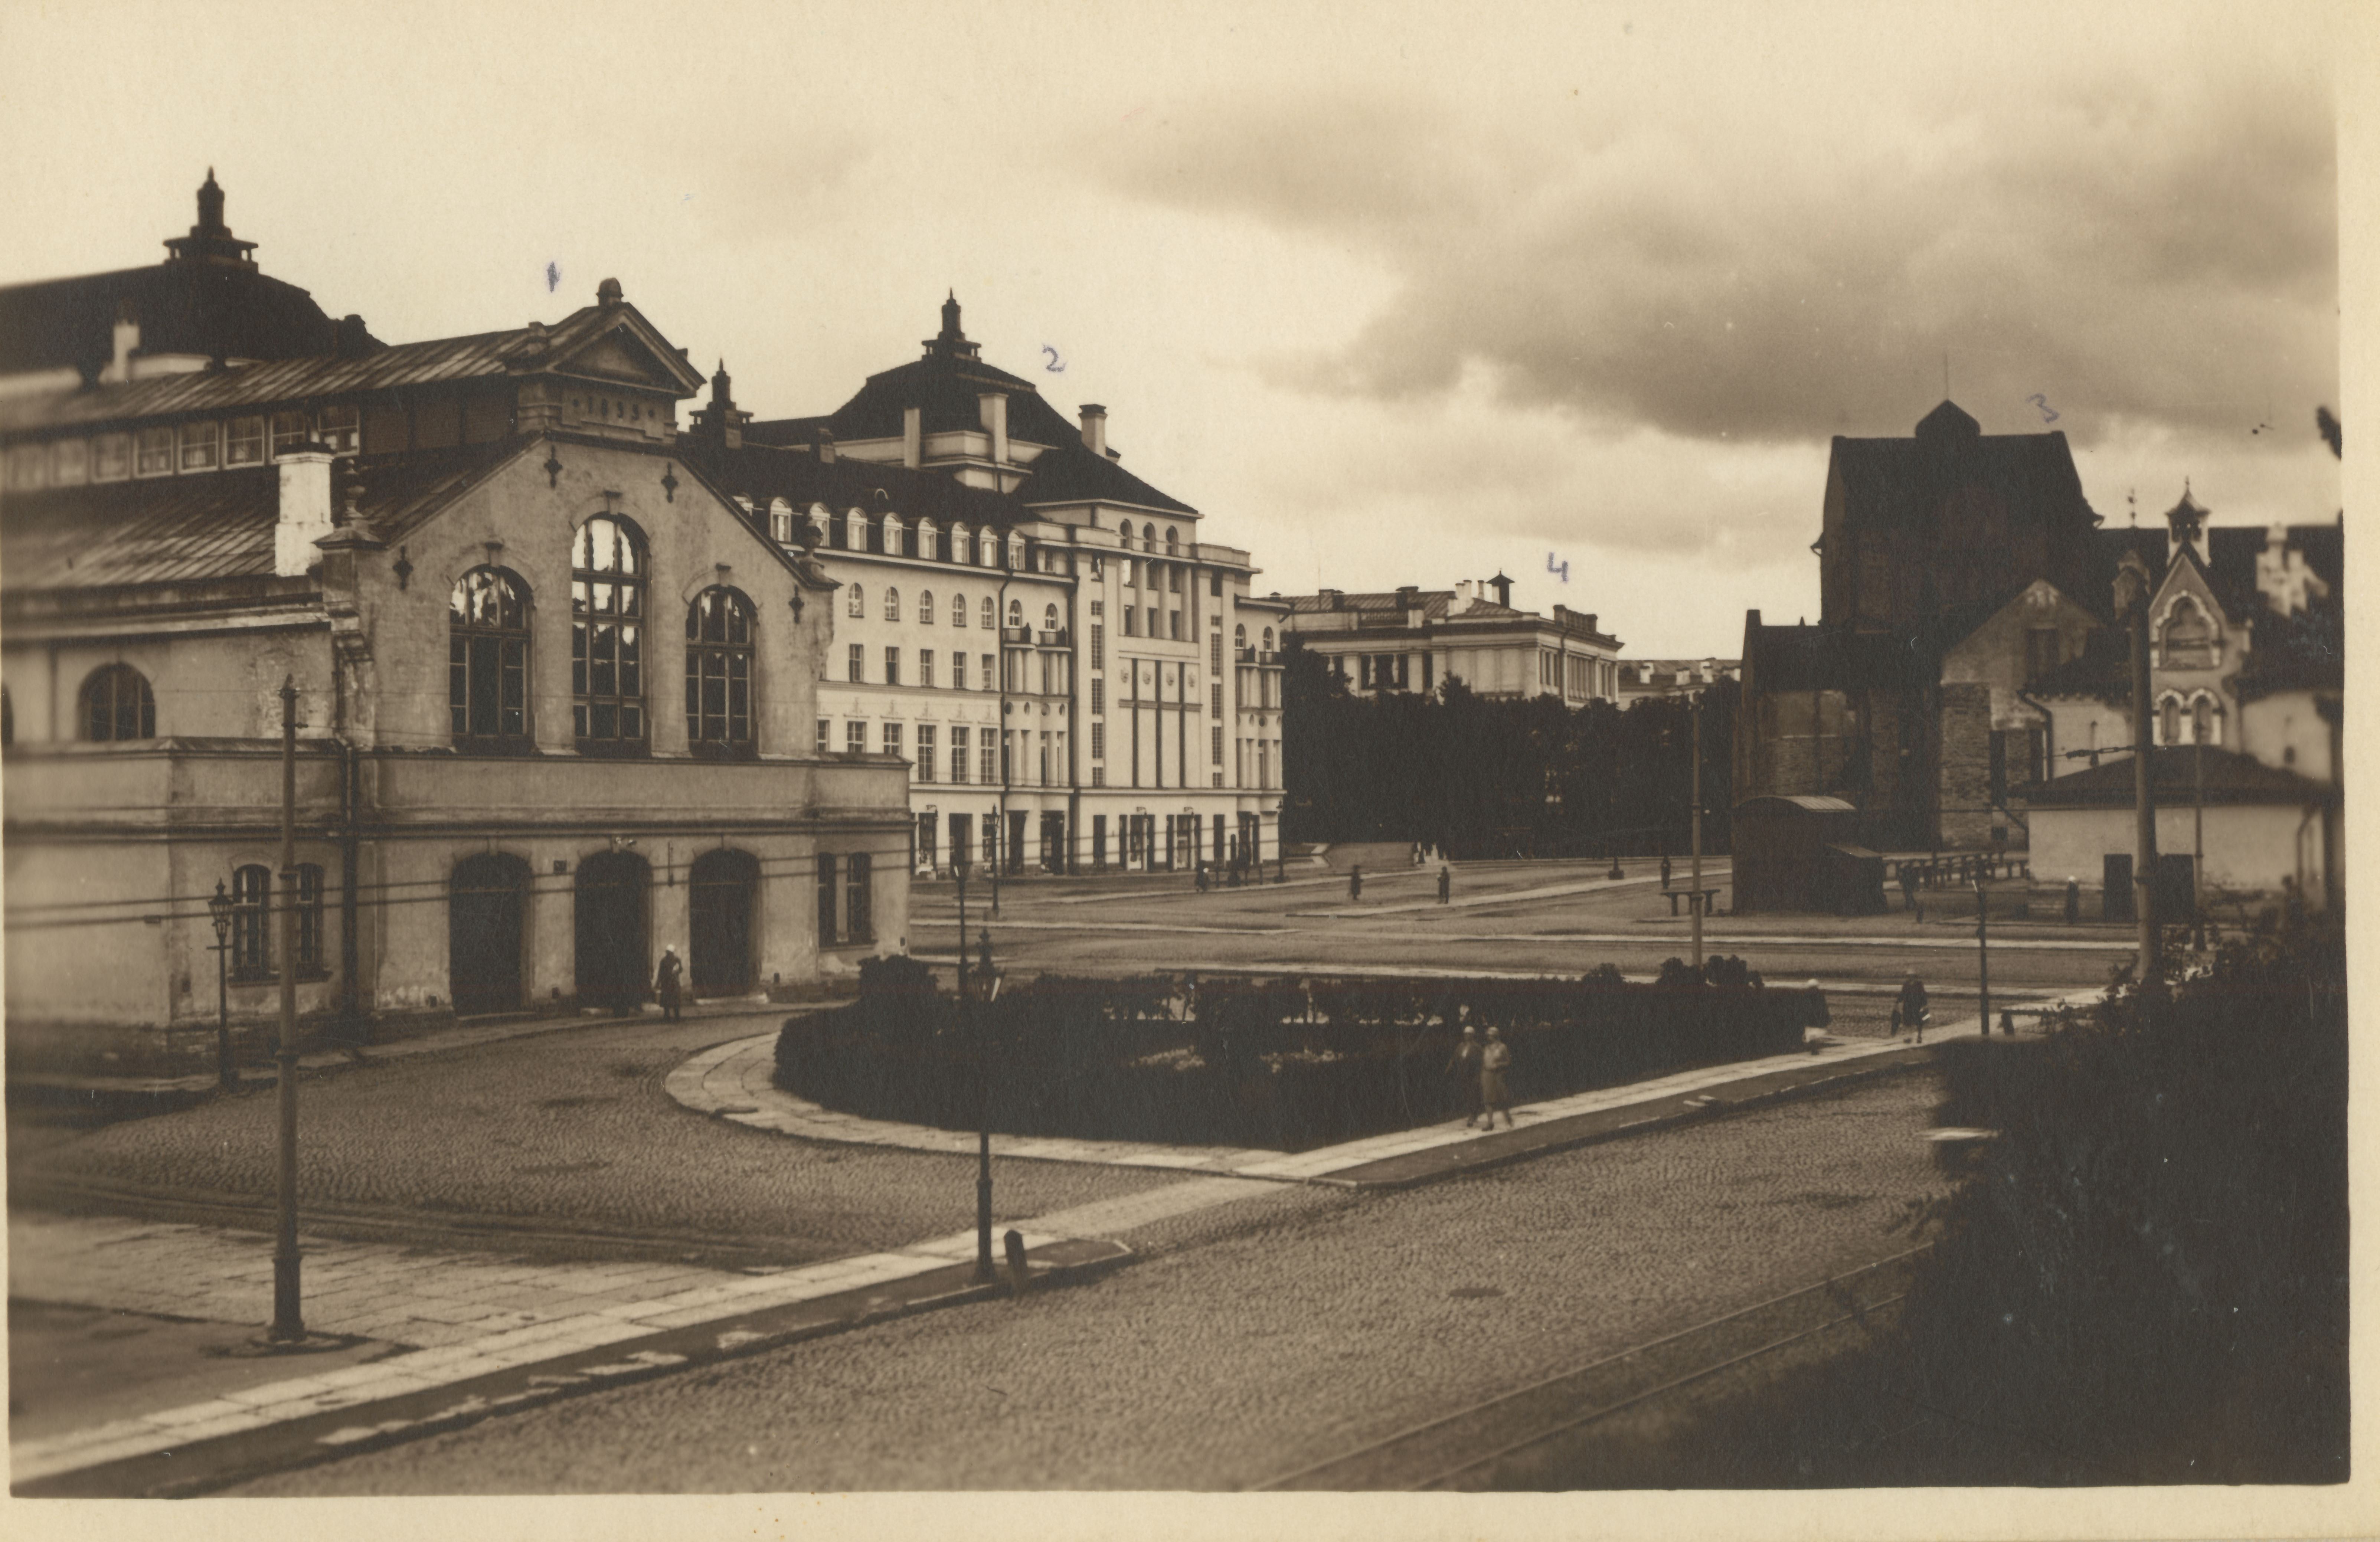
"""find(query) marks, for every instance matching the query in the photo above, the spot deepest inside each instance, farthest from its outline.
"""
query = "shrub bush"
(1286, 1064)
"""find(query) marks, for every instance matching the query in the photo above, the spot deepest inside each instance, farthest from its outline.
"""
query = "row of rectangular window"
(164, 450)
(249, 945)
(1054, 671)
(1132, 623)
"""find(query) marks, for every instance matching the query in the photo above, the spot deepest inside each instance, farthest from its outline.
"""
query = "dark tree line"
(1478, 777)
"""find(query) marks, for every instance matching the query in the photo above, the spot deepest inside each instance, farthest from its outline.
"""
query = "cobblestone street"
(569, 1131)
(1257, 1336)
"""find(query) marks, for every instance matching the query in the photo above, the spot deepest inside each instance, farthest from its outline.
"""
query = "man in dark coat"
(665, 984)
(1355, 881)
(1909, 1010)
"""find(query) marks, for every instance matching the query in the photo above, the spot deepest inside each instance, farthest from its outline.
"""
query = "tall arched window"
(2205, 720)
(857, 607)
(892, 535)
(2169, 720)
(962, 543)
(251, 898)
(1017, 553)
(925, 607)
(607, 633)
(487, 655)
(2189, 639)
(958, 610)
(990, 613)
(1148, 537)
(1124, 535)
(891, 604)
(1016, 612)
(1268, 639)
(927, 547)
(1240, 637)
(116, 705)
(780, 522)
(987, 549)
(719, 669)
(1049, 618)
(1173, 541)
(820, 521)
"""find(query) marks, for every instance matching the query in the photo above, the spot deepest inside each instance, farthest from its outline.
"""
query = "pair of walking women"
(1481, 1064)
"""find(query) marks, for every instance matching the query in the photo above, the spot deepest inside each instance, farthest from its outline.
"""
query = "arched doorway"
(719, 921)
(614, 960)
(486, 897)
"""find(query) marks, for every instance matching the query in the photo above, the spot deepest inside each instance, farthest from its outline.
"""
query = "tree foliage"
(1479, 777)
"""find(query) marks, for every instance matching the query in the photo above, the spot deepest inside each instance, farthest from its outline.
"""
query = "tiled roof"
(484, 354)
(215, 310)
(2174, 779)
(1887, 481)
(210, 527)
(1071, 472)
(761, 472)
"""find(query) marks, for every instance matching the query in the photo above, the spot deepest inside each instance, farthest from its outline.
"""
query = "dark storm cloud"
(2142, 252)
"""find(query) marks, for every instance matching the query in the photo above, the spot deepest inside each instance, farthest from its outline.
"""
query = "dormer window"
(925, 544)
(202, 445)
(152, 452)
(245, 444)
(780, 522)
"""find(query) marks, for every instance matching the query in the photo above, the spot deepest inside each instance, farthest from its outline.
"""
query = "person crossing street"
(1910, 1011)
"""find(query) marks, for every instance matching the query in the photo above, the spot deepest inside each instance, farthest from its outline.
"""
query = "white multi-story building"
(1412, 638)
(1079, 681)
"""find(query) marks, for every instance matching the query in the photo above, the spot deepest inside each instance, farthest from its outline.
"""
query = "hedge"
(1286, 1065)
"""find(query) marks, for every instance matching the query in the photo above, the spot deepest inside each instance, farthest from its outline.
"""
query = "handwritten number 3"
(2048, 413)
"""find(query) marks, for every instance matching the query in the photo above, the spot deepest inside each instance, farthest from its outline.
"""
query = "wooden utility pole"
(1695, 706)
(288, 1323)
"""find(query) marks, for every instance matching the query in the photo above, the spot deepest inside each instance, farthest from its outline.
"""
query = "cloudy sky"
(1393, 294)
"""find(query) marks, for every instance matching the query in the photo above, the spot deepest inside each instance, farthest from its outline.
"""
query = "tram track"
(1462, 1450)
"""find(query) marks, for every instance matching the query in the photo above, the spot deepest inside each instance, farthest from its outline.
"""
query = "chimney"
(1094, 428)
(350, 343)
(1330, 598)
(1408, 596)
(127, 342)
(305, 510)
(993, 407)
(1503, 588)
(609, 294)
(913, 437)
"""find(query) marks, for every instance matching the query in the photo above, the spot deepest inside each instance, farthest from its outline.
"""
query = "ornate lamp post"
(219, 911)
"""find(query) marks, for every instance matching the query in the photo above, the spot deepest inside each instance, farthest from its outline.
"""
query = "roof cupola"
(211, 240)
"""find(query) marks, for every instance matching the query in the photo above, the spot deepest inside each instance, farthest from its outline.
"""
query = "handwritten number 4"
(2048, 413)
(1562, 569)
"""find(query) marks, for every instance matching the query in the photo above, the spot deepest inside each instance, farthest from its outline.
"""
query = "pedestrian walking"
(1445, 884)
(1910, 1010)
(983, 955)
(1464, 1068)
(1909, 888)
(1665, 871)
(1495, 1059)
(1355, 881)
(1202, 877)
(665, 984)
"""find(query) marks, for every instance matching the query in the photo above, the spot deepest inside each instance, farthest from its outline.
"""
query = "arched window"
(891, 604)
(820, 522)
(857, 607)
(2169, 720)
(927, 545)
(116, 705)
(925, 607)
(780, 522)
(719, 669)
(1017, 553)
(1049, 618)
(1173, 541)
(961, 544)
(892, 535)
(487, 655)
(990, 613)
(958, 610)
(1148, 537)
(1240, 637)
(2205, 720)
(1268, 639)
(1016, 613)
(2190, 640)
(251, 899)
(607, 633)
(1124, 535)
(987, 549)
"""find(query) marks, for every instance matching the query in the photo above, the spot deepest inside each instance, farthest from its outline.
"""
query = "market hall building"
(555, 692)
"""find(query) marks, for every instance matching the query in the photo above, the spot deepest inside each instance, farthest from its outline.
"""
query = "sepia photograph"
(1111, 770)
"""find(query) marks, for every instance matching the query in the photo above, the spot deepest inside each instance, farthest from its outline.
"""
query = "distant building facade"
(1411, 639)
(556, 695)
(1078, 681)
(1642, 677)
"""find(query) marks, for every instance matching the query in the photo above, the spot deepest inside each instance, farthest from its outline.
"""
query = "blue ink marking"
(2048, 413)
(553, 277)
(1563, 568)
(1056, 366)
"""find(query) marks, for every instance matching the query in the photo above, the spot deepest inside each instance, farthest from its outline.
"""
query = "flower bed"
(1287, 1064)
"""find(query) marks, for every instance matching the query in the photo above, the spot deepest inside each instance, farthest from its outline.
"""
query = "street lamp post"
(288, 1324)
(219, 911)
(1695, 903)
(1982, 955)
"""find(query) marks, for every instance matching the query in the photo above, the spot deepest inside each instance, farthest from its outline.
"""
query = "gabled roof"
(2174, 779)
(1828, 657)
(1071, 472)
(1890, 481)
(487, 355)
(218, 526)
(762, 472)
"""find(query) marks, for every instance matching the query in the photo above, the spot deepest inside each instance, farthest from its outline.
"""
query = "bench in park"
(1710, 898)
